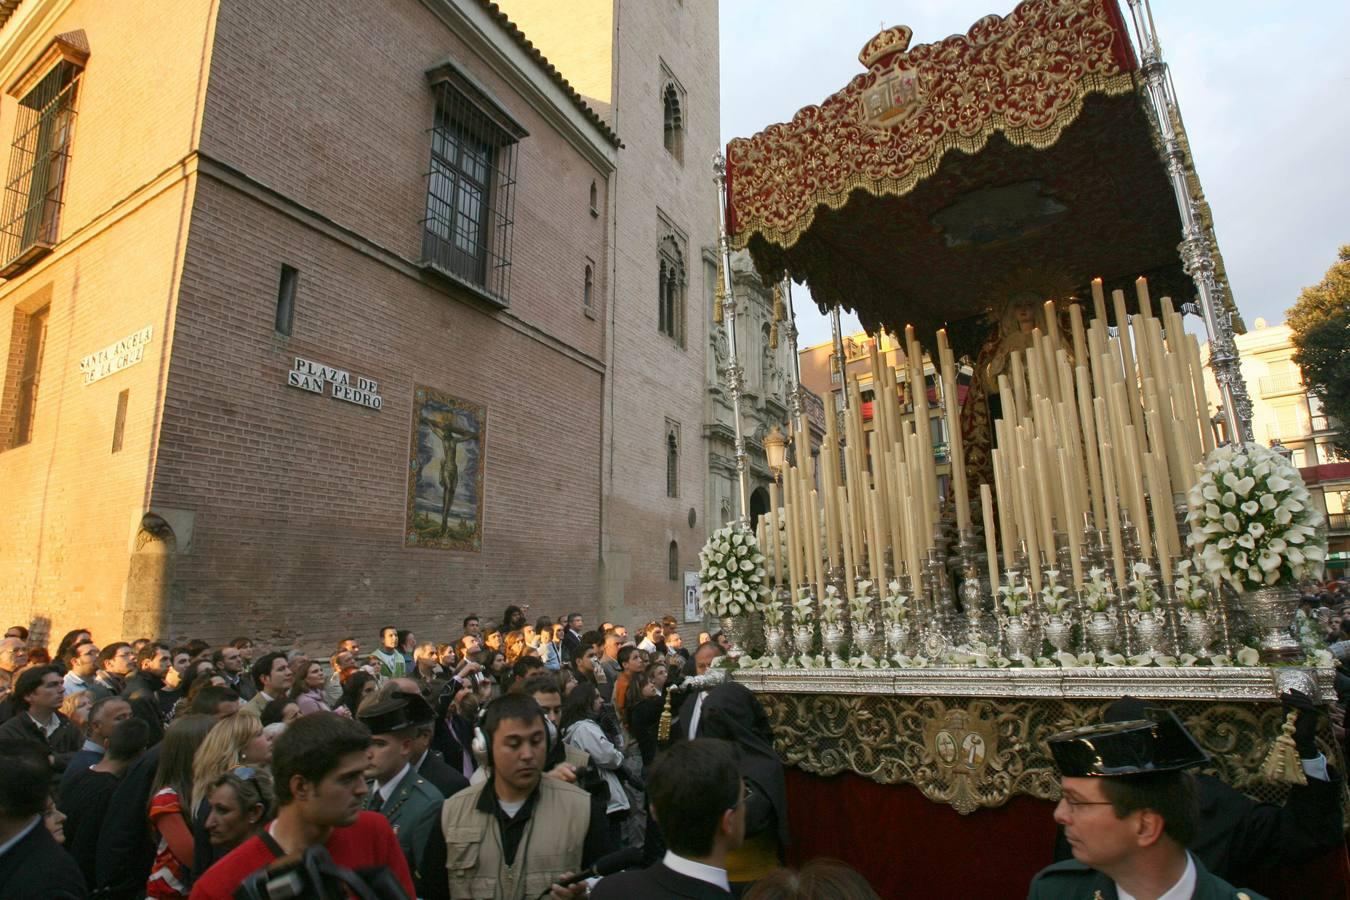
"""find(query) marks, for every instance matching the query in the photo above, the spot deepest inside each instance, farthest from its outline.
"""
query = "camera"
(314, 876)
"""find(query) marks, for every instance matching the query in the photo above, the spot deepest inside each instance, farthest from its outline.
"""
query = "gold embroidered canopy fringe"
(913, 193)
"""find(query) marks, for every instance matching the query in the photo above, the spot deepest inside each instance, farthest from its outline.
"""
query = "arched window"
(595, 200)
(670, 289)
(673, 117)
(672, 463)
(673, 561)
(588, 287)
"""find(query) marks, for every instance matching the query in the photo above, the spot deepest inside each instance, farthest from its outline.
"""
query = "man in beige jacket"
(518, 834)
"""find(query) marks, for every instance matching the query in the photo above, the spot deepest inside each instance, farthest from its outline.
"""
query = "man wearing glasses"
(1129, 810)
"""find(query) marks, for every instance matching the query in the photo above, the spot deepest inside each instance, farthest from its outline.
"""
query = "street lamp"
(775, 450)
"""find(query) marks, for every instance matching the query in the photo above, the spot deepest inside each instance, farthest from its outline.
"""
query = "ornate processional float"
(1020, 198)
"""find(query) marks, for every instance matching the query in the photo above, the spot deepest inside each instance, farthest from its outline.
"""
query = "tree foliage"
(1320, 322)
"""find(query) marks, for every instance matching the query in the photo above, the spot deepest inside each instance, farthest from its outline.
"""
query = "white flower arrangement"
(731, 573)
(831, 606)
(802, 607)
(1252, 520)
(1097, 591)
(894, 605)
(1190, 587)
(773, 613)
(1141, 582)
(860, 605)
(1054, 596)
(1014, 593)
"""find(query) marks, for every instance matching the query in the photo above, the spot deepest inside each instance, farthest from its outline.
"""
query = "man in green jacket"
(1129, 809)
(410, 802)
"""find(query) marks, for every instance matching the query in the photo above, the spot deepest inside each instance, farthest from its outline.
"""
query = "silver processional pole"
(725, 303)
(1196, 252)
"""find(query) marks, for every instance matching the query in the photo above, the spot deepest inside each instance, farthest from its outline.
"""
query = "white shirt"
(22, 833)
(50, 728)
(387, 790)
(648, 645)
(712, 874)
(1316, 768)
(1182, 890)
(693, 716)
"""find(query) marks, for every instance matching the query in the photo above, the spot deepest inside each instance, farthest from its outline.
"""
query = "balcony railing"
(1283, 383)
(1338, 521)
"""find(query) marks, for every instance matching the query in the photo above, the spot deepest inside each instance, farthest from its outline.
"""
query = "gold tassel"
(663, 730)
(1282, 764)
(719, 292)
(779, 313)
(773, 335)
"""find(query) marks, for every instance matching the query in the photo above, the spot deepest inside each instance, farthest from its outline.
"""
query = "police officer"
(410, 802)
(1129, 809)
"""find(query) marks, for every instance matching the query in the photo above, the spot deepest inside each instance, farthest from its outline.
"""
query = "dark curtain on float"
(909, 847)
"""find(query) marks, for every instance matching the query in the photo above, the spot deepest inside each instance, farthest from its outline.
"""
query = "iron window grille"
(469, 222)
(31, 214)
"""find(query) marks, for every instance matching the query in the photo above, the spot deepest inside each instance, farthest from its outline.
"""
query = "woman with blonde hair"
(236, 743)
(241, 804)
(76, 707)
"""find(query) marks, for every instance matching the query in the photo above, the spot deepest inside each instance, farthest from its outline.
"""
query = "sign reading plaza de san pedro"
(116, 356)
(311, 376)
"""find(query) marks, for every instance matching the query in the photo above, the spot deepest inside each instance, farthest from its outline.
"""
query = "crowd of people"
(518, 761)
(190, 770)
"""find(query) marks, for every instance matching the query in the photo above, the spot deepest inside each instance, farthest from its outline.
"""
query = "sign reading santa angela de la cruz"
(116, 356)
(308, 375)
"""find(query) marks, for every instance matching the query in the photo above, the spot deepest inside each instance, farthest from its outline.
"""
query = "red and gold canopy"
(1018, 156)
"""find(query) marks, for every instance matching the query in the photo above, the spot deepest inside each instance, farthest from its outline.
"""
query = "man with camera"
(322, 830)
(517, 835)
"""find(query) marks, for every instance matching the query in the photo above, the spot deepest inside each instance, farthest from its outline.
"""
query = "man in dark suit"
(33, 866)
(571, 639)
(699, 800)
(690, 710)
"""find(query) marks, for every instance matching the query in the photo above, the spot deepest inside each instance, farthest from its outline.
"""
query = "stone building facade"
(764, 402)
(221, 196)
(652, 67)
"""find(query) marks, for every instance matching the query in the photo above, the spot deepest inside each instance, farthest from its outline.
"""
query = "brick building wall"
(652, 379)
(274, 511)
(71, 504)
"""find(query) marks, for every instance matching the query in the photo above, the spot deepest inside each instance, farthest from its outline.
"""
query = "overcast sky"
(1263, 87)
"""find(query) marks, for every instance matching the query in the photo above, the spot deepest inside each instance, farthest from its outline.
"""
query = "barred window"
(30, 338)
(467, 232)
(30, 218)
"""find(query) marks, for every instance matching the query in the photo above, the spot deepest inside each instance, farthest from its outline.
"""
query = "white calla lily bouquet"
(860, 605)
(1054, 596)
(1014, 593)
(1142, 583)
(1252, 520)
(731, 573)
(831, 606)
(894, 605)
(1191, 588)
(1097, 590)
